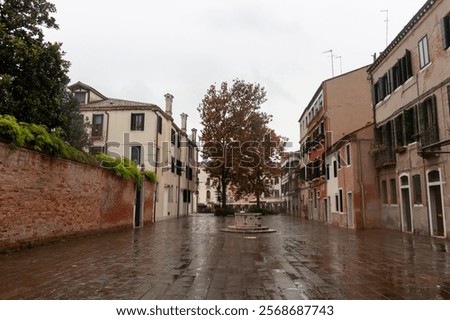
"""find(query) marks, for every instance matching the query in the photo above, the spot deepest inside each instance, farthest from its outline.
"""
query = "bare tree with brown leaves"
(233, 135)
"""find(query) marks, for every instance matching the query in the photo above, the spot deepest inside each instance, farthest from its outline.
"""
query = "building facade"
(289, 183)
(147, 135)
(332, 128)
(411, 94)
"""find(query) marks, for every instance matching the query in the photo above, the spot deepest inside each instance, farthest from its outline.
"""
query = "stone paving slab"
(190, 258)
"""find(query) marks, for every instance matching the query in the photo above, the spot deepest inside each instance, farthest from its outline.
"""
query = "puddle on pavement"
(440, 248)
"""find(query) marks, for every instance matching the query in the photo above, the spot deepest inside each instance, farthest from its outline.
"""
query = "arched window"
(208, 195)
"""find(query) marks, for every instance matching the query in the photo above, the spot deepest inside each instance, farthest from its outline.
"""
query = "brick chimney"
(169, 102)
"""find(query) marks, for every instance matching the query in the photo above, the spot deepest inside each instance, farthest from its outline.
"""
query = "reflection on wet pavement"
(189, 258)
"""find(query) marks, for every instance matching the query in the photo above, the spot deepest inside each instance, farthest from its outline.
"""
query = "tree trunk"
(224, 194)
(258, 200)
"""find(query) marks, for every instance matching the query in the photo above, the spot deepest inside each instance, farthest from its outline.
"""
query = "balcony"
(384, 155)
(429, 141)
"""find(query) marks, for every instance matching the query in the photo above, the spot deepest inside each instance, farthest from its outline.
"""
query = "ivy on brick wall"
(37, 137)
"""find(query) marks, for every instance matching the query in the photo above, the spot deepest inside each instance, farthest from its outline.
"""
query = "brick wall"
(44, 198)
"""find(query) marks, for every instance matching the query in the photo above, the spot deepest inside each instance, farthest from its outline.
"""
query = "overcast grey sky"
(141, 49)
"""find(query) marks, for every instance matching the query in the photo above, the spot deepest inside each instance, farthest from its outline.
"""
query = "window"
(393, 189)
(384, 196)
(336, 199)
(404, 181)
(81, 96)
(97, 125)
(173, 137)
(341, 201)
(434, 176)
(393, 78)
(399, 136)
(424, 54)
(348, 155)
(159, 124)
(446, 31)
(387, 135)
(189, 173)
(186, 196)
(410, 125)
(208, 195)
(335, 168)
(428, 122)
(137, 121)
(179, 167)
(417, 189)
(95, 150)
(136, 154)
(448, 95)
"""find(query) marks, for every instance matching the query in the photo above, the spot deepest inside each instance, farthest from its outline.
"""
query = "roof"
(118, 104)
(82, 85)
(406, 29)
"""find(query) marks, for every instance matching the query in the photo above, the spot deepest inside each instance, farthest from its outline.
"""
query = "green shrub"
(37, 137)
(123, 167)
(11, 131)
(151, 176)
(223, 211)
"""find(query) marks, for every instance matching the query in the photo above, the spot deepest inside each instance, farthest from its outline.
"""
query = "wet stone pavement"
(189, 258)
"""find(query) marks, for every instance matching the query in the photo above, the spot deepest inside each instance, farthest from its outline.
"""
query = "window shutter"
(445, 32)
(448, 94)
(159, 124)
(408, 65)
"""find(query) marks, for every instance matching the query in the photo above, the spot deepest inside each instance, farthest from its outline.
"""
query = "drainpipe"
(380, 205)
(107, 131)
(361, 185)
(156, 167)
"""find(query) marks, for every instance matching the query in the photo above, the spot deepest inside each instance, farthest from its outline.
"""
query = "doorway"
(138, 208)
(436, 206)
(406, 209)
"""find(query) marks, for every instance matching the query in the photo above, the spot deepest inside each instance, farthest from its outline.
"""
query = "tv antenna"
(340, 62)
(332, 63)
(387, 25)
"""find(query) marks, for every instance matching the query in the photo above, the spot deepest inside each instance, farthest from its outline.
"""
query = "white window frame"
(424, 52)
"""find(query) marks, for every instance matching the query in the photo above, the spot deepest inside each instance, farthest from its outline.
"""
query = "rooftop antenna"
(340, 62)
(332, 63)
(387, 25)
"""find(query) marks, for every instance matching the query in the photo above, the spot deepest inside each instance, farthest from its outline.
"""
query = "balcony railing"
(384, 155)
(429, 136)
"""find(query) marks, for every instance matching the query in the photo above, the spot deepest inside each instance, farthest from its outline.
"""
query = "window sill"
(425, 67)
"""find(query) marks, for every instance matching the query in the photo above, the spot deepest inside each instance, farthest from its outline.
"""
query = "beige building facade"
(411, 94)
(147, 135)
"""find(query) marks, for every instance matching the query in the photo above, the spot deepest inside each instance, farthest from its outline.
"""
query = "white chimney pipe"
(169, 102)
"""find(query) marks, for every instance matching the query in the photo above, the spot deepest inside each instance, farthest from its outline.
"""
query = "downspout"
(380, 221)
(156, 166)
(361, 184)
(107, 131)
(187, 175)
